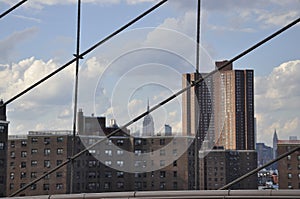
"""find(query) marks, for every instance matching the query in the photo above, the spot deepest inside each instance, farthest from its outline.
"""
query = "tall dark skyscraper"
(3, 149)
(221, 108)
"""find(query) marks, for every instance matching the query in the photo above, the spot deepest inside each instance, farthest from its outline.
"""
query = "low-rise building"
(220, 167)
(289, 167)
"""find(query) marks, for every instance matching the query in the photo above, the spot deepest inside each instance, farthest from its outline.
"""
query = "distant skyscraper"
(148, 124)
(221, 108)
(275, 140)
(168, 130)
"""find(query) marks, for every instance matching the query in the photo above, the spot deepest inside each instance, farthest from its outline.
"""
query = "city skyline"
(274, 66)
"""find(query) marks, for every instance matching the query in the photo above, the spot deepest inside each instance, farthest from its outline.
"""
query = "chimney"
(2, 111)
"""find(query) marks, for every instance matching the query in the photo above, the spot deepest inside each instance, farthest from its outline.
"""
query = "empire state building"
(148, 124)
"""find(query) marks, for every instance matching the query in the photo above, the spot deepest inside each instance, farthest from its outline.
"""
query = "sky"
(146, 61)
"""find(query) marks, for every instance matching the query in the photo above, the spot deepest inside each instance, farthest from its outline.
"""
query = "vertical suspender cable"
(75, 93)
(196, 145)
(12, 8)
(198, 37)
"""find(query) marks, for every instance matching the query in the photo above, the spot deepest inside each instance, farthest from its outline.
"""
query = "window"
(12, 144)
(175, 174)
(12, 154)
(47, 151)
(33, 187)
(162, 185)
(108, 174)
(59, 174)
(46, 187)
(47, 163)
(137, 152)
(162, 141)
(92, 174)
(12, 175)
(23, 143)
(23, 175)
(108, 152)
(120, 174)
(34, 151)
(175, 163)
(120, 152)
(2, 129)
(162, 163)
(23, 154)
(175, 185)
(120, 163)
(298, 157)
(47, 177)
(23, 164)
(11, 186)
(108, 142)
(120, 142)
(162, 152)
(92, 163)
(60, 151)
(34, 140)
(2, 146)
(108, 163)
(120, 185)
(106, 185)
(58, 162)
(137, 142)
(60, 139)
(162, 174)
(289, 157)
(33, 162)
(46, 140)
(175, 152)
(289, 176)
(33, 175)
(59, 186)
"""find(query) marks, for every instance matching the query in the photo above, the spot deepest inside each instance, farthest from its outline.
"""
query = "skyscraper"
(275, 140)
(221, 108)
(148, 124)
(3, 149)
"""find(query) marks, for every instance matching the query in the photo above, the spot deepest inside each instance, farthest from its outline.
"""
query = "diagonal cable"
(160, 104)
(12, 8)
(80, 56)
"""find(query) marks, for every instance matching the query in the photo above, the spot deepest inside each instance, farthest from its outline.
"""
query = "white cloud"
(277, 101)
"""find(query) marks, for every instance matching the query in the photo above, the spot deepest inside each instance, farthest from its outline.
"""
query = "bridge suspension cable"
(12, 8)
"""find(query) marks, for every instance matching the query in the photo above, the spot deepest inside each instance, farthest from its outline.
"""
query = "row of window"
(289, 157)
(120, 185)
(33, 175)
(47, 151)
(35, 140)
(290, 176)
(46, 187)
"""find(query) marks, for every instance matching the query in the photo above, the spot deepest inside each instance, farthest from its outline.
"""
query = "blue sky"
(40, 36)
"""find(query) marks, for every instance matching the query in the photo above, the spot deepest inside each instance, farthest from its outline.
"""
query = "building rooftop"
(289, 142)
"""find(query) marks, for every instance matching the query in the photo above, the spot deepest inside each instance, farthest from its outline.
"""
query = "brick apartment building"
(289, 167)
(220, 167)
(107, 167)
(30, 156)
